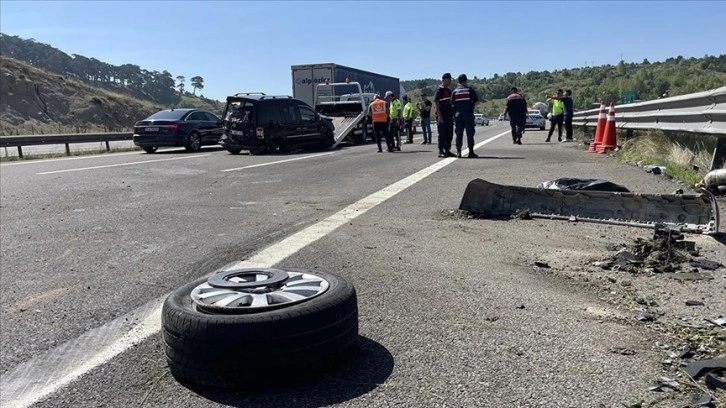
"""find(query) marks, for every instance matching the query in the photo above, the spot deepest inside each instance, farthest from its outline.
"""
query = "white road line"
(46, 374)
(251, 166)
(41, 161)
(122, 164)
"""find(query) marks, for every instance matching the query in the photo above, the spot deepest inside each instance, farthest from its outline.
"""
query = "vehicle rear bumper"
(157, 140)
(243, 143)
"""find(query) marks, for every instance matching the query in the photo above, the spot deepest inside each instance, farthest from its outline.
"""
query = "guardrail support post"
(20, 152)
(719, 154)
(68, 149)
(108, 148)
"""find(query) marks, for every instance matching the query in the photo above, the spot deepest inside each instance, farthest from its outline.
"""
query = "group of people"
(455, 116)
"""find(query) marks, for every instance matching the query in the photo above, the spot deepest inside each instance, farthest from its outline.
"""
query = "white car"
(535, 120)
(481, 120)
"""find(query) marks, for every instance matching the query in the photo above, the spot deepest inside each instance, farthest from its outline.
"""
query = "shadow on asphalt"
(183, 151)
(372, 365)
(720, 237)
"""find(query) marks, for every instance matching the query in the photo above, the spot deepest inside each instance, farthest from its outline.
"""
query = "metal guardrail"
(701, 112)
(67, 140)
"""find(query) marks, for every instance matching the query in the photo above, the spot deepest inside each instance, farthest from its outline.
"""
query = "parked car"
(481, 119)
(191, 128)
(263, 123)
(535, 120)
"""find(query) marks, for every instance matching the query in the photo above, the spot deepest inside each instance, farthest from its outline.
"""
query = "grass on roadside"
(27, 157)
(684, 163)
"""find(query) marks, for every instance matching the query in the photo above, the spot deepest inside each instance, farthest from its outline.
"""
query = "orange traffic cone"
(609, 139)
(599, 128)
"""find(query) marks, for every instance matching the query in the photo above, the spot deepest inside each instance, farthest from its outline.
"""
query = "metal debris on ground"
(664, 382)
(667, 251)
(703, 400)
(646, 317)
(694, 303)
(696, 368)
(714, 182)
(714, 381)
(540, 264)
(622, 351)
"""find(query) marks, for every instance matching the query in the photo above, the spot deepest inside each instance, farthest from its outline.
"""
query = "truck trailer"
(306, 77)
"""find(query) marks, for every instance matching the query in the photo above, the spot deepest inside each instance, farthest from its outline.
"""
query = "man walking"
(516, 108)
(424, 109)
(408, 114)
(394, 112)
(464, 99)
(558, 114)
(444, 116)
(379, 118)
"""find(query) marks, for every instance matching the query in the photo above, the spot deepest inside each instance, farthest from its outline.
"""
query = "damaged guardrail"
(701, 112)
(67, 140)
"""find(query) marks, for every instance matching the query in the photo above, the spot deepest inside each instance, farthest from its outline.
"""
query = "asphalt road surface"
(452, 312)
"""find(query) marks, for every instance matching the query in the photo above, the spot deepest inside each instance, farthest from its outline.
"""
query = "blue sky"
(241, 46)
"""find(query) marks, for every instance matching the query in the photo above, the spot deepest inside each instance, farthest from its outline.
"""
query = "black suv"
(263, 123)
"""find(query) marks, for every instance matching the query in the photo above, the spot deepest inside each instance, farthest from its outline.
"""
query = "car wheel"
(194, 142)
(541, 128)
(150, 150)
(256, 151)
(250, 326)
(234, 150)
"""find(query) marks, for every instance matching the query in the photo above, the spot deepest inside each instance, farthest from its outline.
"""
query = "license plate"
(151, 129)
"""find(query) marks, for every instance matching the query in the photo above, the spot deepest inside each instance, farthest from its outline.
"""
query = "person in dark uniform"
(516, 108)
(464, 99)
(444, 116)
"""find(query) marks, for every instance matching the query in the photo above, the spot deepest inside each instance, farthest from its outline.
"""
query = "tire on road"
(193, 142)
(280, 343)
(150, 149)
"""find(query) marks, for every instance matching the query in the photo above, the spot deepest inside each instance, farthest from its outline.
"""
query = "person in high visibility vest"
(394, 111)
(379, 117)
(408, 114)
(558, 115)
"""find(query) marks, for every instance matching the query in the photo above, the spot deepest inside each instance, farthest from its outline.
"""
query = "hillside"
(674, 76)
(46, 90)
(37, 101)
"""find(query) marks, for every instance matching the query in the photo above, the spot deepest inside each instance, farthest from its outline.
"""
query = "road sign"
(627, 97)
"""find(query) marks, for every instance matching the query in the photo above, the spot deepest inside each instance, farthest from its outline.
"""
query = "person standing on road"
(424, 109)
(558, 115)
(444, 116)
(408, 114)
(379, 117)
(516, 108)
(394, 112)
(464, 99)
(569, 112)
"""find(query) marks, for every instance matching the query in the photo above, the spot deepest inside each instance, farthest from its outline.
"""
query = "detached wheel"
(248, 327)
(150, 149)
(194, 142)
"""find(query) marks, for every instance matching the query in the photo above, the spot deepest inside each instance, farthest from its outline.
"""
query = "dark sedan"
(191, 128)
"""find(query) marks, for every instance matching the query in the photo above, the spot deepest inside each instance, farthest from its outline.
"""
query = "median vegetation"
(686, 157)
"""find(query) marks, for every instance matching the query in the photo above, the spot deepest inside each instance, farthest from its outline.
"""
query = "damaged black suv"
(263, 123)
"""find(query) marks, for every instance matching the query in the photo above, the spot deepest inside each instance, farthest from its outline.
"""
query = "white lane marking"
(41, 161)
(47, 373)
(251, 166)
(122, 164)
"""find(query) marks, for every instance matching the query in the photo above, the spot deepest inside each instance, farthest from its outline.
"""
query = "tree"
(197, 83)
(180, 83)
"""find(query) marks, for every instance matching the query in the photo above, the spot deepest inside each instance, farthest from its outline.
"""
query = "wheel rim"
(256, 290)
(194, 141)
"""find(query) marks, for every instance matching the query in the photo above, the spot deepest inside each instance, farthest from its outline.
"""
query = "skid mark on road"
(122, 164)
(251, 166)
(44, 375)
